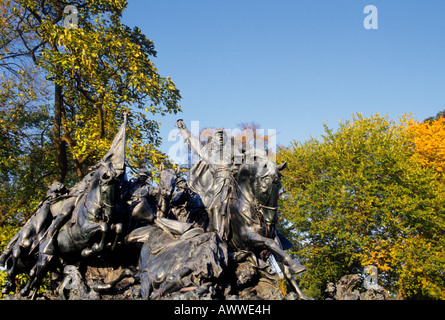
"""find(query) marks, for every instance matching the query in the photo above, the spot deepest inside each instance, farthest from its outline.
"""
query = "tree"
(95, 71)
(427, 139)
(23, 119)
(440, 114)
(251, 136)
(358, 197)
(23, 145)
(98, 69)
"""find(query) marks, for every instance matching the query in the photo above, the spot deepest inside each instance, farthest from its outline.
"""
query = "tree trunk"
(59, 144)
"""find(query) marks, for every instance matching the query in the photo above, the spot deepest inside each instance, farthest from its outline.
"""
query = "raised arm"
(192, 141)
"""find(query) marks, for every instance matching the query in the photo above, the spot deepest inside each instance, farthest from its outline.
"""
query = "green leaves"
(358, 197)
(107, 70)
(104, 69)
(24, 148)
(97, 71)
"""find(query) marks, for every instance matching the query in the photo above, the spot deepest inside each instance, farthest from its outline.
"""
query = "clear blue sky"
(292, 65)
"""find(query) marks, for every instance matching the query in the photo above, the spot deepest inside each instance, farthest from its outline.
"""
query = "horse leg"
(145, 278)
(27, 288)
(25, 292)
(146, 286)
(53, 230)
(286, 263)
(11, 272)
(8, 249)
(257, 241)
(118, 230)
(103, 228)
(290, 278)
(97, 247)
(37, 273)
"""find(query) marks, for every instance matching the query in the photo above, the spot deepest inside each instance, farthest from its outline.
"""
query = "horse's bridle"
(101, 184)
(256, 207)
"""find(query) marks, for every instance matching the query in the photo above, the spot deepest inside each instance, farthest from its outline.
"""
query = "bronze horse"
(253, 207)
(19, 252)
(85, 233)
(157, 231)
(72, 223)
(92, 216)
(154, 201)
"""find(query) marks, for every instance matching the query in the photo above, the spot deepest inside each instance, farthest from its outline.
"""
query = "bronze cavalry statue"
(208, 237)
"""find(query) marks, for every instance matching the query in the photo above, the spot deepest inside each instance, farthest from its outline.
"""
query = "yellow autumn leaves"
(428, 140)
(369, 193)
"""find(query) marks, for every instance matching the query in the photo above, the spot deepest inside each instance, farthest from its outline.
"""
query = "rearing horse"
(253, 208)
(91, 220)
(93, 215)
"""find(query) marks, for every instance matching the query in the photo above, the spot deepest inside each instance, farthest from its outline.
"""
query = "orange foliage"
(428, 140)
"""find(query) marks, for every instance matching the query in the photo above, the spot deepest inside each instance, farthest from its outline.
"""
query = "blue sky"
(293, 65)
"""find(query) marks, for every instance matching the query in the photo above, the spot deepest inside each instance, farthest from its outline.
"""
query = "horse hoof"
(302, 296)
(86, 253)
(24, 292)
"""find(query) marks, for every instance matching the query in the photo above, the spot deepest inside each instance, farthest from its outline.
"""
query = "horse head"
(166, 185)
(167, 181)
(106, 174)
(102, 190)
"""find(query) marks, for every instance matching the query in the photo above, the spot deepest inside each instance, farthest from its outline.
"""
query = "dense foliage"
(64, 88)
(361, 196)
